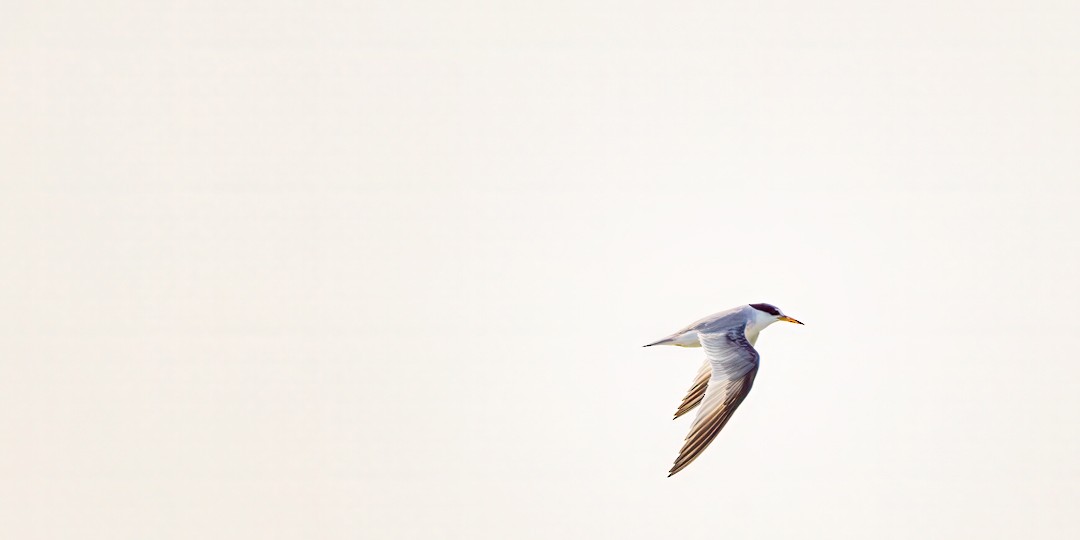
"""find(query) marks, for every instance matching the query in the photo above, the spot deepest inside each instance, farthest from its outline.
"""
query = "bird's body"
(728, 373)
(753, 320)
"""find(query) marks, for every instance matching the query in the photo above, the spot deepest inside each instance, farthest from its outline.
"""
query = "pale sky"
(383, 270)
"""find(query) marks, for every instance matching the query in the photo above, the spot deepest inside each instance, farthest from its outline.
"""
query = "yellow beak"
(789, 319)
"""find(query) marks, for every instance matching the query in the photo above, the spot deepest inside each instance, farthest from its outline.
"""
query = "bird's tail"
(664, 341)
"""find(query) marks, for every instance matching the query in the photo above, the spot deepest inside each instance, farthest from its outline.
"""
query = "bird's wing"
(734, 364)
(693, 396)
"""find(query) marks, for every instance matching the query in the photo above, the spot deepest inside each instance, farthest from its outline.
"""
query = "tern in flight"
(724, 380)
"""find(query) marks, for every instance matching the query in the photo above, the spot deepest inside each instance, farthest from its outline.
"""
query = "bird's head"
(766, 314)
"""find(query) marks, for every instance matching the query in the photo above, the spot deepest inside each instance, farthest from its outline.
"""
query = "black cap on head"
(767, 308)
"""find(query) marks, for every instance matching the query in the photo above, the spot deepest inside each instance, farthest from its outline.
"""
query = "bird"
(726, 376)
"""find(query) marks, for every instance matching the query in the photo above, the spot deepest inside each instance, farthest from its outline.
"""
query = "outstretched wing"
(694, 394)
(734, 364)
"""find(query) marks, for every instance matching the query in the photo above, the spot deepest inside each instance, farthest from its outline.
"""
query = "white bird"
(724, 380)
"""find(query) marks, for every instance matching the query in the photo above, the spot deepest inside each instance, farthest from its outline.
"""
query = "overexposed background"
(384, 269)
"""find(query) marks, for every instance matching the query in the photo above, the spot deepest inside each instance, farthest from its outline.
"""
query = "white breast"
(752, 334)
